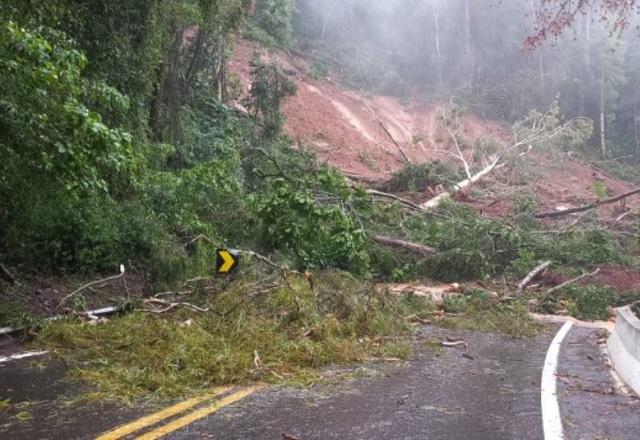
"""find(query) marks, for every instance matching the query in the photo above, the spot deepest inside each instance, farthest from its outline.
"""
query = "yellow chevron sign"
(227, 261)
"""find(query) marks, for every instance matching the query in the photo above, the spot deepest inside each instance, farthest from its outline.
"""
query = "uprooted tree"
(537, 131)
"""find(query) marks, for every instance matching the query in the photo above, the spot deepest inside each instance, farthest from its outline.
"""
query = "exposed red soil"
(344, 127)
(623, 280)
(571, 183)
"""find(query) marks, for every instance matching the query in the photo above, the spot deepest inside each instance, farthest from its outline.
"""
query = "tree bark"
(468, 44)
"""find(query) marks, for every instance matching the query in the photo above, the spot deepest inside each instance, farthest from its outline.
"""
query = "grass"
(295, 331)
(476, 312)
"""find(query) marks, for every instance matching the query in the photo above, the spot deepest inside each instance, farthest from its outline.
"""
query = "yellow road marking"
(198, 414)
(154, 418)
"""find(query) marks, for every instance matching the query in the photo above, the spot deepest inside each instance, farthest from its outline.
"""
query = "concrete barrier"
(624, 347)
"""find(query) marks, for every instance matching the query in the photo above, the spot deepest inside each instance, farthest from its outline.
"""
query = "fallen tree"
(553, 290)
(531, 275)
(437, 200)
(536, 129)
(384, 195)
(590, 206)
(416, 248)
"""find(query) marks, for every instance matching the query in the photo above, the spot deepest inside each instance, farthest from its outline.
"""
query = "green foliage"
(418, 177)
(600, 189)
(269, 88)
(586, 246)
(469, 246)
(192, 200)
(319, 234)
(478, 313)
(47, 131)
(13, 314)
(294, 330)
(272, 22)
(51, 231)
(589, 302)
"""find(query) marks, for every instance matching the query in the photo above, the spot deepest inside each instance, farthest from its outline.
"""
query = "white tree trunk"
(436, 201)
(436, 18)
(603, 136)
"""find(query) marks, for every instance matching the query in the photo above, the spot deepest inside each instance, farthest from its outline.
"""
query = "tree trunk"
(603, 135)
(636, 124)
(436, 18)
(416, 248)
(328, 18)
(468, 43)
(541, 68)
(436, 201)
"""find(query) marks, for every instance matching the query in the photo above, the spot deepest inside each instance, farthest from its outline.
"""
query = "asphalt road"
(488, 390)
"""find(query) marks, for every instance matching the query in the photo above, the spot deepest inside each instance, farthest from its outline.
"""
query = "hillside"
(369, 137)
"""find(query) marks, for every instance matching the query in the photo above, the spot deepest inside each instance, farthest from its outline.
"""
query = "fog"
(474, 50)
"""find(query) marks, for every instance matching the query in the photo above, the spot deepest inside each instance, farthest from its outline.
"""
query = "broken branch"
(594, 205)
(571, 281)
(459, 155)
(416, 248)
(93, 283)
(409, 203)
(531, 275)
(172, 305)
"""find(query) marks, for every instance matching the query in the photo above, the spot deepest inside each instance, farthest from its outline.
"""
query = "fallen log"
(436, 201)
(590, 206)
(409, 203)
(416, 248)
(571, 281)
(531, 275)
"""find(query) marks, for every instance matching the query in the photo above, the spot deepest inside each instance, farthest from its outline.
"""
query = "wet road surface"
(488, 390)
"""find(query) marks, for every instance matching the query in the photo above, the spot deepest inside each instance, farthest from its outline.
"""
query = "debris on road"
(454, 343)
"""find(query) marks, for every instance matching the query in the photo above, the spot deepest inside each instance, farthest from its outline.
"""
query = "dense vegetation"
(119, 144)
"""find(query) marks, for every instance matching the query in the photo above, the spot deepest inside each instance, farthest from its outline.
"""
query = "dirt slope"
(346, 128)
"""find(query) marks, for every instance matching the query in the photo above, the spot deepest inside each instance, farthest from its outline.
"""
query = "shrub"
(418, 177)
(589, 302)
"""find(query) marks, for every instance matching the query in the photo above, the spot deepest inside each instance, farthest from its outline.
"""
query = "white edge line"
(551, 419)
(26, 354)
